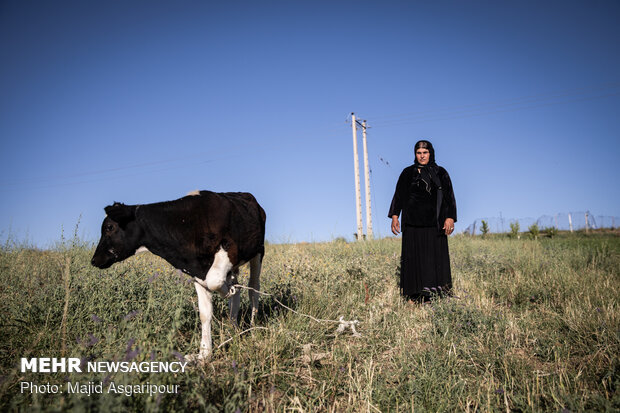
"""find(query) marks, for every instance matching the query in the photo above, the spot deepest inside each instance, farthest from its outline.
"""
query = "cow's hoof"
(199, 358)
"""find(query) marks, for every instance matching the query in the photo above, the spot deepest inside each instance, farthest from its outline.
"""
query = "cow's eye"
(109, 228)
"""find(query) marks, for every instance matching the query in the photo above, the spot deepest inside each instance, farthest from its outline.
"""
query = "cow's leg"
(255, 267)
(205, 306)
(216, 277)
(235, 299)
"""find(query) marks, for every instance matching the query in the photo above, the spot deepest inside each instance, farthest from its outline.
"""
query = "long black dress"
(425, 260)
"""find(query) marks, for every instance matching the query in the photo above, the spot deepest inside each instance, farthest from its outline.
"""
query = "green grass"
(533, 326)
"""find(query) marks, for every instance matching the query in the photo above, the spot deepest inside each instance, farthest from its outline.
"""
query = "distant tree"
(484, 228)
(514, 229)
(534, 231)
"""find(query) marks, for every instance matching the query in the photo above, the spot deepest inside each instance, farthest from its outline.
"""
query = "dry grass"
(533, 327)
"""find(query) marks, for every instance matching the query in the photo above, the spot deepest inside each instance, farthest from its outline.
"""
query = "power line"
(457, 115)
(104, 175)
(496, 104)
(104, 171)
(477, 109)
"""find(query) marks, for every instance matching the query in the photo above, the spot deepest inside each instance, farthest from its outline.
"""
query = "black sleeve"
(448, 205)
(399, 195)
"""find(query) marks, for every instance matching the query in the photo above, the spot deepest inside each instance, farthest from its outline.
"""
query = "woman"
(425, 197)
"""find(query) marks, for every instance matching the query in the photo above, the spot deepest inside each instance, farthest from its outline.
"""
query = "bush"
(551, 231)
(534, 231)
(514, 230)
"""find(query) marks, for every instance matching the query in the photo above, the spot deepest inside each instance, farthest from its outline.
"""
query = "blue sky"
(143, 101)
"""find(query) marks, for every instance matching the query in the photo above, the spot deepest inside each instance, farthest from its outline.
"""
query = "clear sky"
(143, 101)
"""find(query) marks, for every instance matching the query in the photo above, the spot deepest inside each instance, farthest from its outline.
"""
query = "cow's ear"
(121, 213)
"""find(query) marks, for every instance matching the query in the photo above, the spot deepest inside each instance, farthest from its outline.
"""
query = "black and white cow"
(207, 235)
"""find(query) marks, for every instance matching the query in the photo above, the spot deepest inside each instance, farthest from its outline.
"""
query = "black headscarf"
(428, 172)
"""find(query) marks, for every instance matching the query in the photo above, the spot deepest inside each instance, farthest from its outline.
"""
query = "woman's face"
(422, 155)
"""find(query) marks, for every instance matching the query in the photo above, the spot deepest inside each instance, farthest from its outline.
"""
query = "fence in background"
(565, 221)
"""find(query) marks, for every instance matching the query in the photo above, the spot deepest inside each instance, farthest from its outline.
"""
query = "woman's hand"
(448, 226)
(395, 225)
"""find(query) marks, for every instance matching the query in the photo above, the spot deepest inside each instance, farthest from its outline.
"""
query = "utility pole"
(358, 197)
(369, 234)
(501, 220)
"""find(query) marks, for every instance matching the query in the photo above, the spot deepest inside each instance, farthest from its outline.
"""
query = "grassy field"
(534, 326)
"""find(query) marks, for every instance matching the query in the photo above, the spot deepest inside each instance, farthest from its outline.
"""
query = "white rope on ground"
(243, 332)
(342, 323)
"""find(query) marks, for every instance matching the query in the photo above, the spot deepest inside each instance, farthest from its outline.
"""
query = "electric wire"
(330, 131)
(466, 113)
(499, 103)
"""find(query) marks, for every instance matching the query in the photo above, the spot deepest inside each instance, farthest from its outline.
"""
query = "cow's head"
(120, 236)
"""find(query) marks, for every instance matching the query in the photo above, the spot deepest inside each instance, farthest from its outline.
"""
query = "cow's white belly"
(216, 276)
